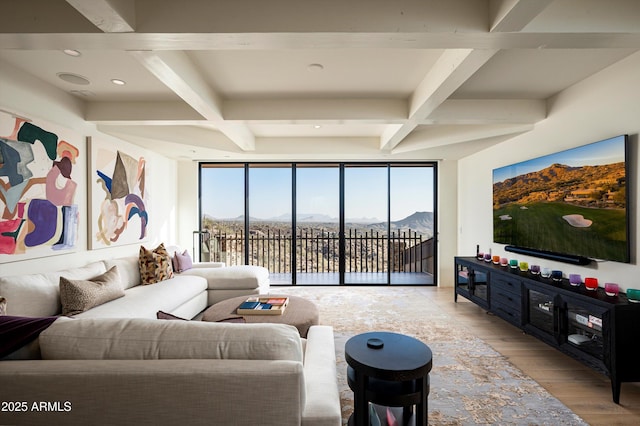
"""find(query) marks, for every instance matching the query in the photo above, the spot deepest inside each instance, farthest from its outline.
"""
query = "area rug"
(471, 384)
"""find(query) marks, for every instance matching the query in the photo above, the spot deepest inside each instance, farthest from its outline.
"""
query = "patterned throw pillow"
(3, 306)
(155, 265)
(77, 296)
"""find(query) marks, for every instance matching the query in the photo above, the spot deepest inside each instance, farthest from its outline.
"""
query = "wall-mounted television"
(569, 206)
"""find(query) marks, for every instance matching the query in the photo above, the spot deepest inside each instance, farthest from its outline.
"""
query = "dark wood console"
(594, 328)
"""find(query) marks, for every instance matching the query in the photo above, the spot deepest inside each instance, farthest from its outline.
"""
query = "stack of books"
(263, 306)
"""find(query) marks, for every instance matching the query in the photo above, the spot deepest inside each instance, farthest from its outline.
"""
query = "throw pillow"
(77, 296)
(3, 306)
(182, 262)
(154, 265)
(167, 316)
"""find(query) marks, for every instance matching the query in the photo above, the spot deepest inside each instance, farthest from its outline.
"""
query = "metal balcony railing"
(318, 251)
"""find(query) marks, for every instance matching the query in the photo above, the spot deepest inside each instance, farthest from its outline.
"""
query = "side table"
(389, 369)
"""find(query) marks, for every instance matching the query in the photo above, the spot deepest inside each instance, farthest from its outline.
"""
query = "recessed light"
(315, 67)
(317, 126)
(73, 78)
(72, 52)
(118, 82)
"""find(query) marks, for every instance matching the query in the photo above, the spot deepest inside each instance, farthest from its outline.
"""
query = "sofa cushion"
(78, 296)
(127, 338)
(145, 301)
(234, 277)
(38, 295)
(128, 269)
(155, 265)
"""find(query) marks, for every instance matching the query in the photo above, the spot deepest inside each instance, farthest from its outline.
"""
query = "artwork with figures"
(38, 185)
(118, 195)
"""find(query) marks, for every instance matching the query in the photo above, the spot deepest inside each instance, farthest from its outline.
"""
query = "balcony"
(366, 257)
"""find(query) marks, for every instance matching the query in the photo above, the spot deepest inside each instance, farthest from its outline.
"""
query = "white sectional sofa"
(116, 364)
(186, 295)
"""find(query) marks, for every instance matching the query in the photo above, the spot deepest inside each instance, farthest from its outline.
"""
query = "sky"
(604, 152)
(318, 191)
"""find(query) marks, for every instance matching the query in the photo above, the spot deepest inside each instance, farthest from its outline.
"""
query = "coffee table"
(300, 313)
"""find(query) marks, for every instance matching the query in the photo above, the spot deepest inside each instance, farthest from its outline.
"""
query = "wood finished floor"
(586, 392)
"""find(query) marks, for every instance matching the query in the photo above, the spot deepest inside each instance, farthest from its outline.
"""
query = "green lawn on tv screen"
(541, 226)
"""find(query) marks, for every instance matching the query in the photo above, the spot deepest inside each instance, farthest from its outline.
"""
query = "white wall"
(33, 98)
(604, 105)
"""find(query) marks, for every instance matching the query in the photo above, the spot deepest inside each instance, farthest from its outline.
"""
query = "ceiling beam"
(253, 41)
(181, 134)
(488, 111)
(514, 15)
(179, 74)
(447, 135)
(141, 113)
(378, 110)
(111, 16)
(452, 69)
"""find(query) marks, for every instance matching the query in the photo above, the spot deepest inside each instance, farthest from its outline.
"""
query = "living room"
(577, 109)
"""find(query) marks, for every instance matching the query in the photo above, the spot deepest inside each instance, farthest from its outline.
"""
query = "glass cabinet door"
(462, 277)
(584, 329)
(472, 284)
(541, 311)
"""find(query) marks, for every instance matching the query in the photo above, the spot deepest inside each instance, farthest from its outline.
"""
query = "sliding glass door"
(270, 236)
(323, 223)
(366, 210)
(317, 224)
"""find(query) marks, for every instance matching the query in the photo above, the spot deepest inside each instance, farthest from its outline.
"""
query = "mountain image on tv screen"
(571, 202)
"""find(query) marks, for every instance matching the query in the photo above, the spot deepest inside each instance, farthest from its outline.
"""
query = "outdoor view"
(571, 202)
(388, 221)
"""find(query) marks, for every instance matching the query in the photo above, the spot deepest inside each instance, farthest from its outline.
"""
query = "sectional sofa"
(117, 364)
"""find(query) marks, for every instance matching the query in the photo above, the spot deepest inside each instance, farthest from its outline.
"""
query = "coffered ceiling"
(294, 79)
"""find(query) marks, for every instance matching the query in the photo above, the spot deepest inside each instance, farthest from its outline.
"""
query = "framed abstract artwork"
(39, 171)
(118, 194)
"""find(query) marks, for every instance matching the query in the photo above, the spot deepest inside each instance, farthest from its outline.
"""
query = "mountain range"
(559, 180)
(421, 222)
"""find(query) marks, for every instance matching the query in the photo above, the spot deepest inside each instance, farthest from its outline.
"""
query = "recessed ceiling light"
(317, 126)
(72, 52)
(315, 67)
(73, 78)
(118, 82)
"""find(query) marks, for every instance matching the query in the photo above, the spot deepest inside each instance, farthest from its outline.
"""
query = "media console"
(590, 326)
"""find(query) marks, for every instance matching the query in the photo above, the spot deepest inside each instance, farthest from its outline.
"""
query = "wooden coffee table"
(300, 313)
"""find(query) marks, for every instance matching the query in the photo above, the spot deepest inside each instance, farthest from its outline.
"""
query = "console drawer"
(507, 312)
(507, 298)
(506, 283)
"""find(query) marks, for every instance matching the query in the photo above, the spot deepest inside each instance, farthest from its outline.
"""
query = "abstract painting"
(38, 184)
(118, 195)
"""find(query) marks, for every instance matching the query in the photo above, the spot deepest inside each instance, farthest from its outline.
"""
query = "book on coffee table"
(263, 306)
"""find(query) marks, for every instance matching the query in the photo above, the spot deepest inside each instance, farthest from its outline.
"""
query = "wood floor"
(586, 392)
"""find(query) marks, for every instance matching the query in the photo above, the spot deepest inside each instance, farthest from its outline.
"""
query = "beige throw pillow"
(78, 296)
(155, 265)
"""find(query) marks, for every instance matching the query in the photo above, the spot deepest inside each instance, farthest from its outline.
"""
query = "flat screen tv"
(569, 206)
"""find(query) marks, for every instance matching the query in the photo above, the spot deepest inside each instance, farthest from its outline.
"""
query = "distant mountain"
(421, 222)
(559, 182)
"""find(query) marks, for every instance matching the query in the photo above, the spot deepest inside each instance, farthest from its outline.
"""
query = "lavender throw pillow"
(182, 262)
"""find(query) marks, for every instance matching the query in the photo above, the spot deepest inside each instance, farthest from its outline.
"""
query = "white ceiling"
(285, 79)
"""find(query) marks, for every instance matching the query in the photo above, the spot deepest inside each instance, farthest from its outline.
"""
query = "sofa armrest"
(209, 265)
(153, 392)
(322, 407)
